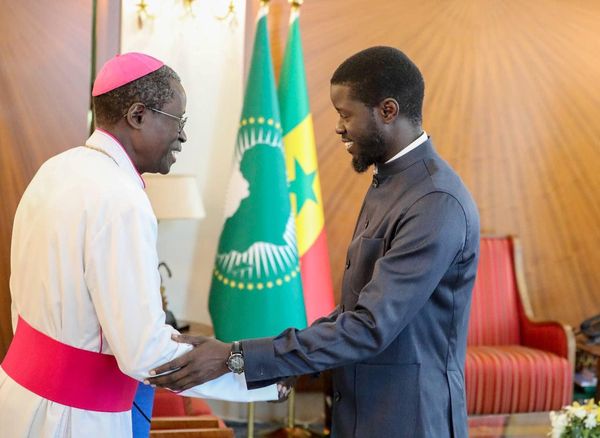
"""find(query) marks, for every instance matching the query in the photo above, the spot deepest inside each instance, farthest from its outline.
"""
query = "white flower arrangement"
(576, 421)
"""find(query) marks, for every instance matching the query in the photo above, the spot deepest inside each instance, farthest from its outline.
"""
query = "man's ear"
(388, 109)
(136, 114)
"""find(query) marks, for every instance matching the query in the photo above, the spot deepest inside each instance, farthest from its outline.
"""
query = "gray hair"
(153, 90)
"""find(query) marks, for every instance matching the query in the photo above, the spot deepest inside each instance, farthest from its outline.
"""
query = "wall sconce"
(173, 197)
(188, 7)
(143, 14)
(230, 15)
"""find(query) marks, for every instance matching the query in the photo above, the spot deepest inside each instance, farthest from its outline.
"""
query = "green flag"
(256, 289)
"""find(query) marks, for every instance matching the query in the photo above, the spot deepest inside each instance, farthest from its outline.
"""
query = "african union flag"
(301, 160)
(256, 289)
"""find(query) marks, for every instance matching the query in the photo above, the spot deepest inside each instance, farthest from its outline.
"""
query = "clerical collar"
(419, 141)
(106, 143)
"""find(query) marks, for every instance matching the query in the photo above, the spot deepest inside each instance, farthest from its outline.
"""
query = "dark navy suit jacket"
(397, 341)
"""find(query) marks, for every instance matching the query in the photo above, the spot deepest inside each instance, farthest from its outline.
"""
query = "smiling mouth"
(348, 144)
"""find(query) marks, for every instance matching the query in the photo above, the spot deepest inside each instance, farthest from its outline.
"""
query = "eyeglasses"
(182, 120)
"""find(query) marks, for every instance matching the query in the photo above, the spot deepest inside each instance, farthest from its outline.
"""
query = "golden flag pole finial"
(296, 4)
(264, 3)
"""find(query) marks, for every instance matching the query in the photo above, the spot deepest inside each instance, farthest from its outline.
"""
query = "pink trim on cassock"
(67, 375)
(126, 154)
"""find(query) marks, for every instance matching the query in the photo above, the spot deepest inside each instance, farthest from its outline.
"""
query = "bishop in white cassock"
(86, 306)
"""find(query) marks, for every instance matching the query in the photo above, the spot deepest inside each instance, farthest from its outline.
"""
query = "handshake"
(205, 362)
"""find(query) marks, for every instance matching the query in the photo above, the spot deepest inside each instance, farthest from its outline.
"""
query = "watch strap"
(236, 347)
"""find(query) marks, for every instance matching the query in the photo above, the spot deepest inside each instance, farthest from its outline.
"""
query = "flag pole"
(291, 430)
(291, 423)
(250, 431)
(291, 409)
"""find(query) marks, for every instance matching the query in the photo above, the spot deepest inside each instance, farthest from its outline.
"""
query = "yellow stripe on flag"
(299, 146)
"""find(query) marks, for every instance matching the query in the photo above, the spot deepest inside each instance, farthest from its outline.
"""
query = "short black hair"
(377, 73)
(154, 90)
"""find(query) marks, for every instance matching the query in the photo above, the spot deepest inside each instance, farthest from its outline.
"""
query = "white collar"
(419, 141)
(105, 142)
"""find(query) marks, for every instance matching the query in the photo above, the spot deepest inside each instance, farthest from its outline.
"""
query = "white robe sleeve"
(123, 280)
(229, 386)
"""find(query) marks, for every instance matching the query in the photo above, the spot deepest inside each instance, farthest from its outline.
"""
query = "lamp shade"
(174, 196)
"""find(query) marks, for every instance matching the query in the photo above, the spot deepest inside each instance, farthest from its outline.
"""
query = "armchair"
(514, 362)
(176, 416)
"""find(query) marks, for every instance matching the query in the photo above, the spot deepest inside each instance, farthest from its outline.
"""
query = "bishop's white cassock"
(84, 272)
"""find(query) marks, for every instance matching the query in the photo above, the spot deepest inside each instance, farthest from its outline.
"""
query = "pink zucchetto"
(123, 69)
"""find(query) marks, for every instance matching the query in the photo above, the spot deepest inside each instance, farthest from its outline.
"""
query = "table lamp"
(173, 197)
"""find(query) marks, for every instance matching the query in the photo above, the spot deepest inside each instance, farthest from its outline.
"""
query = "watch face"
(236, 363)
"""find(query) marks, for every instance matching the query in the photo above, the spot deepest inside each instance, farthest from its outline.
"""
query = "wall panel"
(44, 87)
(512, 102)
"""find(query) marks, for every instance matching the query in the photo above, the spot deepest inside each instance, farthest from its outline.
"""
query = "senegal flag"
(305, 189)
(256, 289)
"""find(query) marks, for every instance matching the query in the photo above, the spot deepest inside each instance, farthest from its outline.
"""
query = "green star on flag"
(302, 186)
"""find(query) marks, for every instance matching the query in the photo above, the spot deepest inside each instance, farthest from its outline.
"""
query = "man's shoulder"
(441, 177)
(77, 177)
(429, 181)
(91, 169)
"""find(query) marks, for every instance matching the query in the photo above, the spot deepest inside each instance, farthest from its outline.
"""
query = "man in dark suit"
(397, 340)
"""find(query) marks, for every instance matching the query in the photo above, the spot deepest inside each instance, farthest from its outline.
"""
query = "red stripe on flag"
(316, 280)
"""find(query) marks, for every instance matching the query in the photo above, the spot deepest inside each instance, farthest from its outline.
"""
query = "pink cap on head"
(123, 69)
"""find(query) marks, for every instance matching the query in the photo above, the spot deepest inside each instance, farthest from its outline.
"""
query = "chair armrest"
(550, 336)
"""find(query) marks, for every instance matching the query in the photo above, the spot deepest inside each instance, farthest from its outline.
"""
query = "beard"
(372, 149)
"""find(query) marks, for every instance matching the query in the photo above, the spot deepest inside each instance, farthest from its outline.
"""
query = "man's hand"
(205, 362)
(284, 388)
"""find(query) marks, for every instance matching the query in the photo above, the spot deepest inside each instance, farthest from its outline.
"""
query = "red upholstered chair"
(514, 363)
(168, 404)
